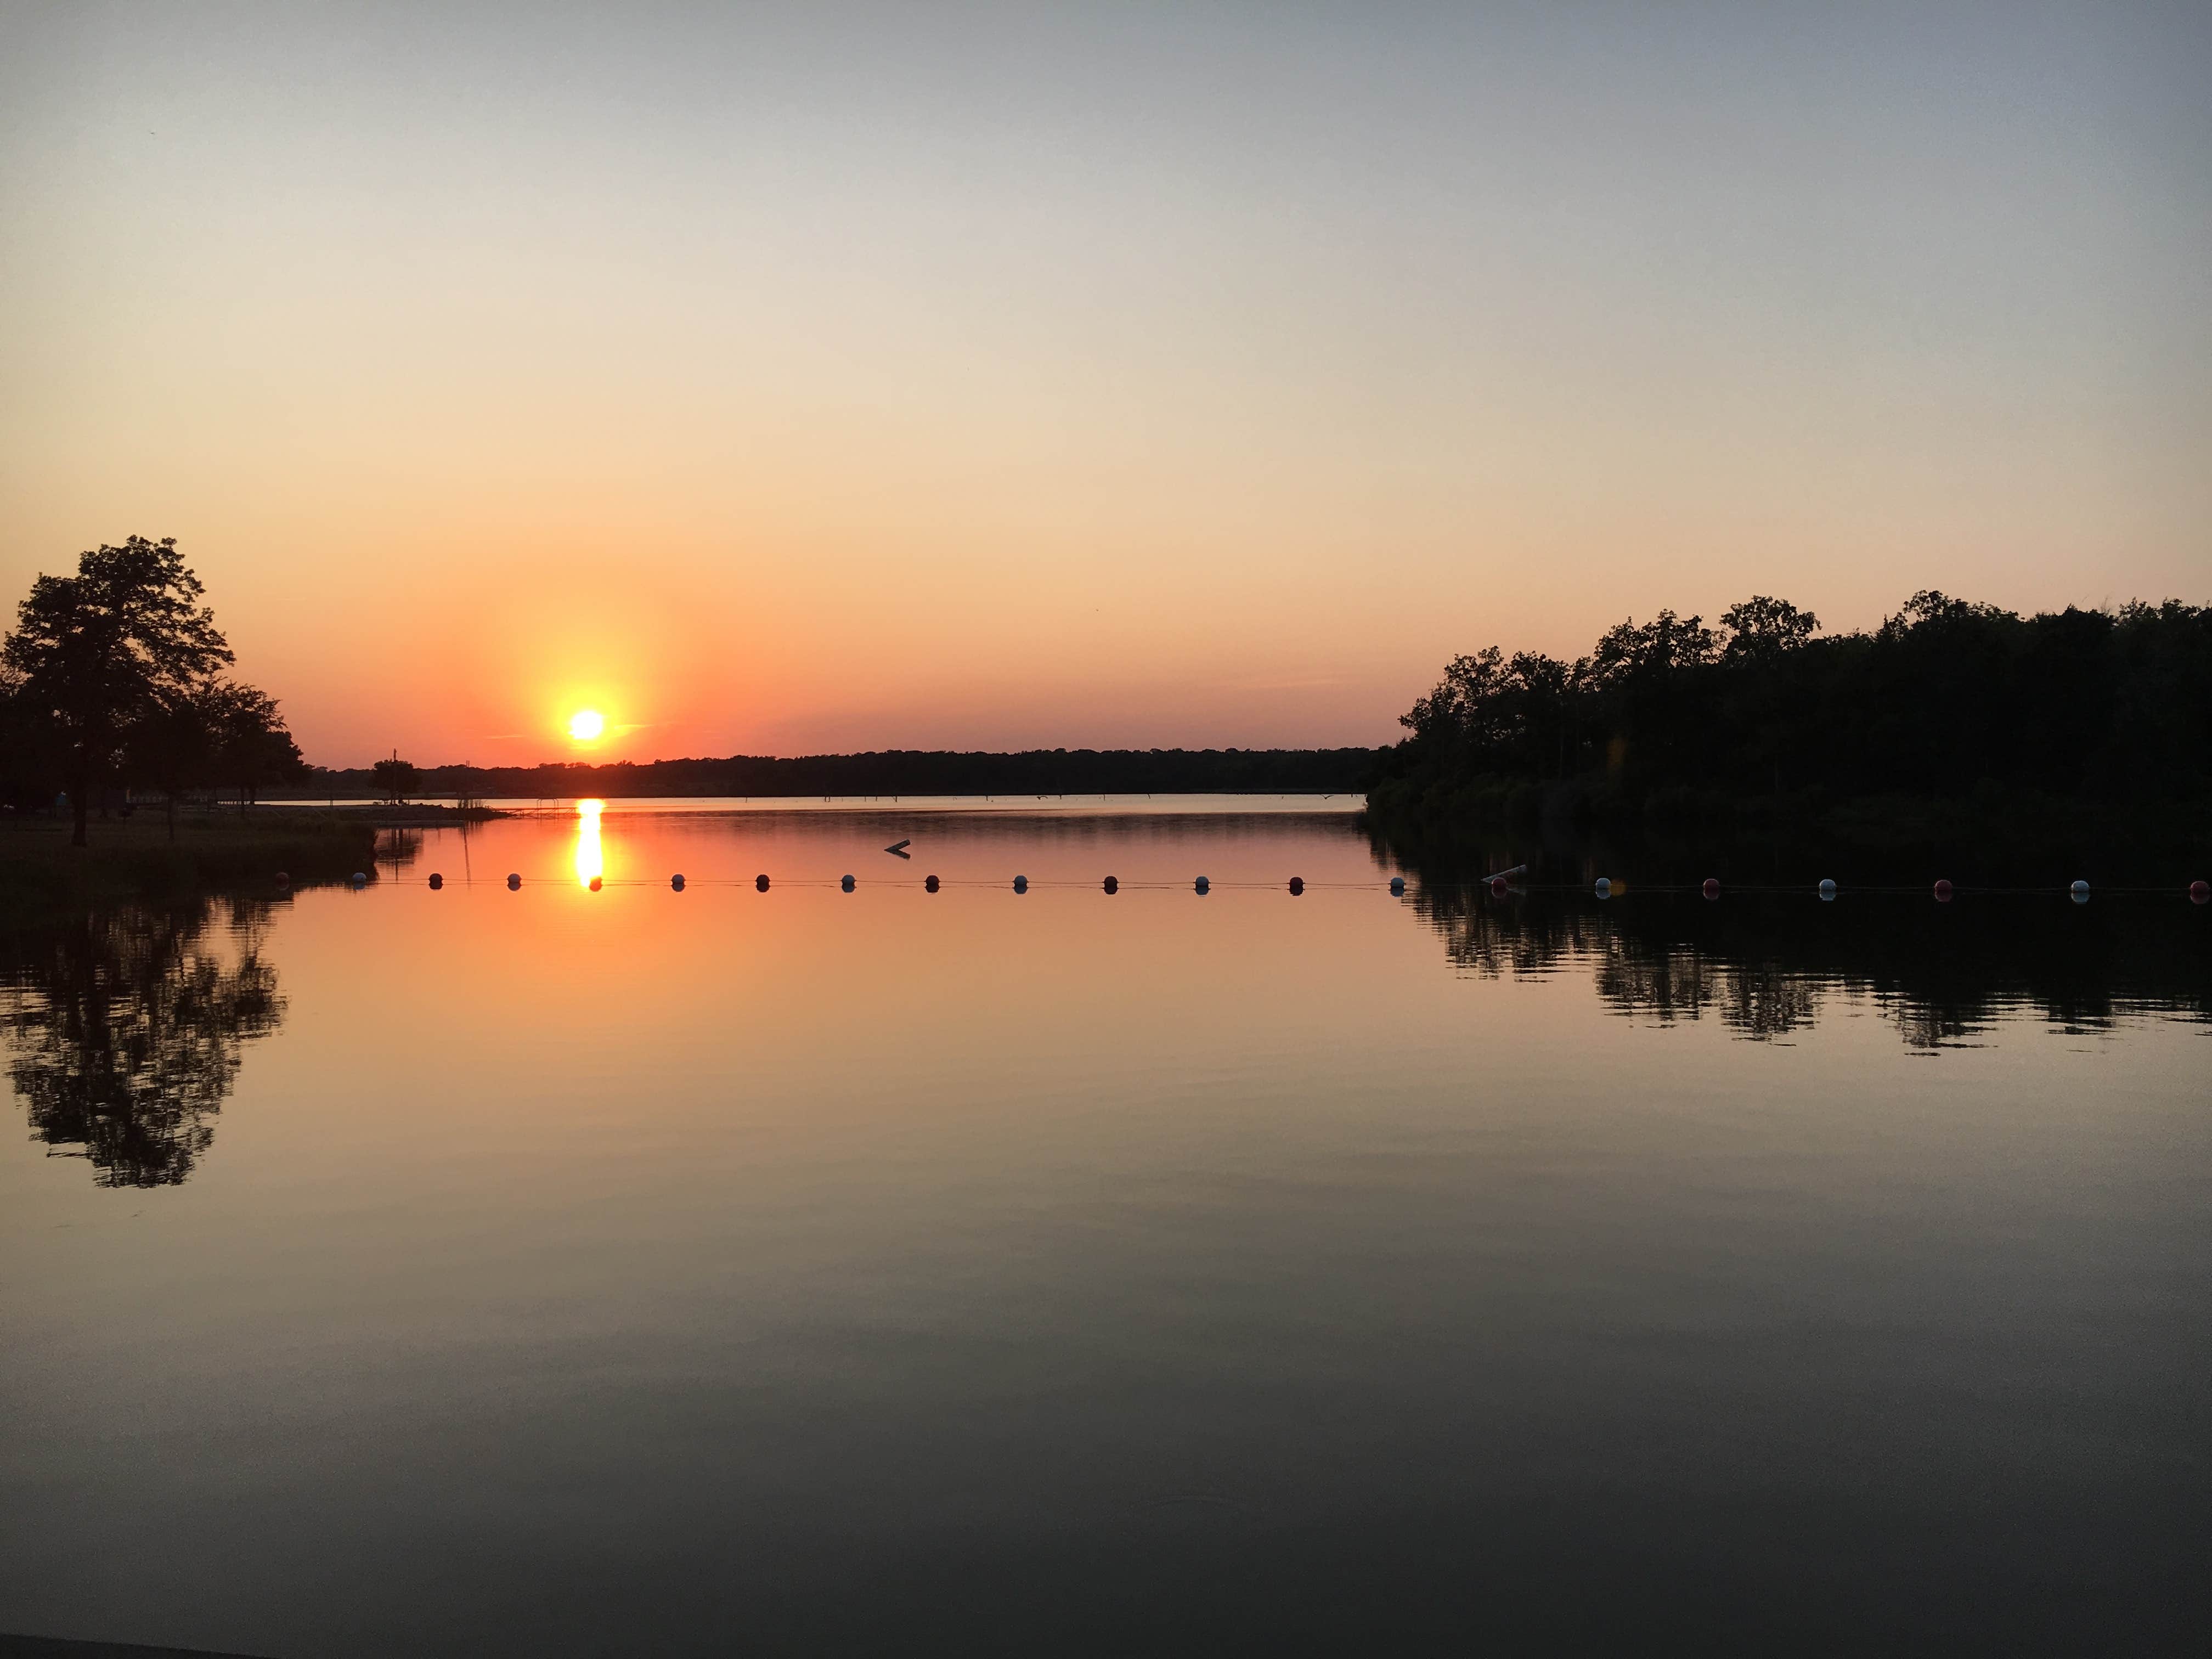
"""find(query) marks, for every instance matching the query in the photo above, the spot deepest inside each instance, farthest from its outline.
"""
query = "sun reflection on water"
(591, 864)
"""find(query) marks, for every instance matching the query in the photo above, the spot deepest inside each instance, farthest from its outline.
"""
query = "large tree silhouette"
(118, 645)
(127, 1029)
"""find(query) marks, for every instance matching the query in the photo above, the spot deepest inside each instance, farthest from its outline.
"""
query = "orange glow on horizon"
(1154, 395)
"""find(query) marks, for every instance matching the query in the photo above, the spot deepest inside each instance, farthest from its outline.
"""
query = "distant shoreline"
(427, 813)
(905, 773)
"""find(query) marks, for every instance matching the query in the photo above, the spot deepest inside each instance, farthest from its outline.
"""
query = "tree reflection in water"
(127, 1028)
(1764, 965)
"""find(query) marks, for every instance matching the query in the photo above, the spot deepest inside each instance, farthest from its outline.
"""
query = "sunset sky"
(780, 380)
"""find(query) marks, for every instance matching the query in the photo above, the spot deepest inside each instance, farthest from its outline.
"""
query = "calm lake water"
(560, 1271)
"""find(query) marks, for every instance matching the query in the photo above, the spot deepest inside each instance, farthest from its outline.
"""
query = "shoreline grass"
(137, 858)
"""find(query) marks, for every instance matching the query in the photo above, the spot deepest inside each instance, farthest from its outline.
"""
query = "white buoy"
(677, 882)
(1398, 886)
(1827, 887)
(1604, 887)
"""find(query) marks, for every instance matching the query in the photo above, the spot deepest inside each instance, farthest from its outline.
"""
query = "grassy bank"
(136, 857)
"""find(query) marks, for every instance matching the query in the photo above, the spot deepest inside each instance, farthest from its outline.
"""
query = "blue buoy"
(1021, 884)
(513, 882)
(677, 882)
(846, 882)
(1397, 887)
(360, 879)
(436, 881)
(1202, 885)
(1298, 885)
(1112, 885)
(2079, 889)
(1604, 888)
(1827, 887)
(929, 884)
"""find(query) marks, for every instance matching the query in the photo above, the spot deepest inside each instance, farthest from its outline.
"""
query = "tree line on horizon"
(113, 679)
(1947, 700)
(883, 772)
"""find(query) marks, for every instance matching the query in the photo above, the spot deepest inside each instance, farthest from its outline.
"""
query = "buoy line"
(1827, 890)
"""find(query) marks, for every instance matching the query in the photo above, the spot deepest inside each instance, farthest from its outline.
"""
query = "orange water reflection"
(591, 860)
(658, 1203)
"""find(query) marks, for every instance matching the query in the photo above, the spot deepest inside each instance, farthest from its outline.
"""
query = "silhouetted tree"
(31, 754)
(1763, 628)
(251, 747)
(395, 779)
(109, 648)
(170, 748)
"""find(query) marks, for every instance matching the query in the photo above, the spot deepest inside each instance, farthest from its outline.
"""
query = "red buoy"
(1943, 892)
(1112, 885)
(2200, 892)
(1712, 887)
(283, 880)
(760, 882)
(929, 885)
(1497, 886)
(595, 883)
(1298, 885)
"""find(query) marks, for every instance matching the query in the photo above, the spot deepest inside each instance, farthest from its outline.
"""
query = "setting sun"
(587, 724)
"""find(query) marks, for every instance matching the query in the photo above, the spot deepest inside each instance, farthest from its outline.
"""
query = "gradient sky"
(790, 379)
